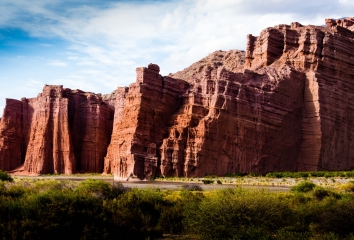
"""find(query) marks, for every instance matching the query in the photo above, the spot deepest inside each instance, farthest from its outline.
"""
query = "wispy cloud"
(105, 42)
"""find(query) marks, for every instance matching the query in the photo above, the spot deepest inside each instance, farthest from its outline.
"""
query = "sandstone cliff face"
(140, 124)
(285, 104)
(238, 122)
(11, 142)
(60, 131)
(325, 55)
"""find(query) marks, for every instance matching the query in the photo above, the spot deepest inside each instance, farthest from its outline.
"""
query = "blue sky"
(95, 45)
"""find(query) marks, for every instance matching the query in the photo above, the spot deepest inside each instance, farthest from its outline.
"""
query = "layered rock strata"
(325, 55)
(11, 137)
(60, 131)
(141, 123)
(286, 104)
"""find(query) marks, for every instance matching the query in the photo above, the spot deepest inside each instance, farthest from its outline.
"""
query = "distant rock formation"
(286, 104)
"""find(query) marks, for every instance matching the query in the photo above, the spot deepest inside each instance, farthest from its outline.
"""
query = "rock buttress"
(141, 115)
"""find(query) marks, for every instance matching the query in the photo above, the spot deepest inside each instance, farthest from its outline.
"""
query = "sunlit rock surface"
(284, 104)
(60, 131)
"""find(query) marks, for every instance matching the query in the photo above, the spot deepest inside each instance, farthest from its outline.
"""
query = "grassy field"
(95, 209)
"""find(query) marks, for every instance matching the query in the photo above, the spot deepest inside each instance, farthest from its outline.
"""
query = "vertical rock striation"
(60, 131)
(11, 136)
(140, 124)
(286, 104)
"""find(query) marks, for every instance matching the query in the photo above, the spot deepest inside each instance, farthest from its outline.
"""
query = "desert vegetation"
(326, 179)
(326, 174)
(95, 209)
(4, 176)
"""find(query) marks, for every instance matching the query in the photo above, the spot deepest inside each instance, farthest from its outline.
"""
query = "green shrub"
(349, 187)
(304, 186)
(94, 209)
(238, 214)
(51, 215)
(320, 193)
(275, 175)
(207, 181)
(253, 174)
(210, 176)
(337, 217)
(192, 187)
(136, 213)
(218, 182)
(44, 185)
(291, 235)
(14, 191)
(117, 189)
(325, 174)
(4, 176)
(97, 188)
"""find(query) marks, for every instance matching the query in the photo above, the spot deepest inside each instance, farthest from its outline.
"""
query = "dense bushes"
(192, 187)
(303, 187)
(93, 209)
(207, 181)
(238, 214)
(326, 174)
(349, 187)
(4, 176)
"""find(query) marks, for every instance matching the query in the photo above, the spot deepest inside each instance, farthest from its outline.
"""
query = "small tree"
(304, 186)
(4, 176)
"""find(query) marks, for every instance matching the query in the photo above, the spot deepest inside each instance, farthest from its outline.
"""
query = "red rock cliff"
(141, 123)
(60, 131)
(11, 136)
(285, 104)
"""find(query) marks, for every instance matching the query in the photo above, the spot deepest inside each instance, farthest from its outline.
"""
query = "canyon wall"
(325, 55)
(60, 131)
(286, 104)
(141, 123)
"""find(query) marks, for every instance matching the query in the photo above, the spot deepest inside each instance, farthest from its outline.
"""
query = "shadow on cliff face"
(309, 157)
(283, 133)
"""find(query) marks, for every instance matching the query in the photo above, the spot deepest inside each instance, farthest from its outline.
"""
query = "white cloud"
(29, 89)
(346, 1)
(104, 43)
